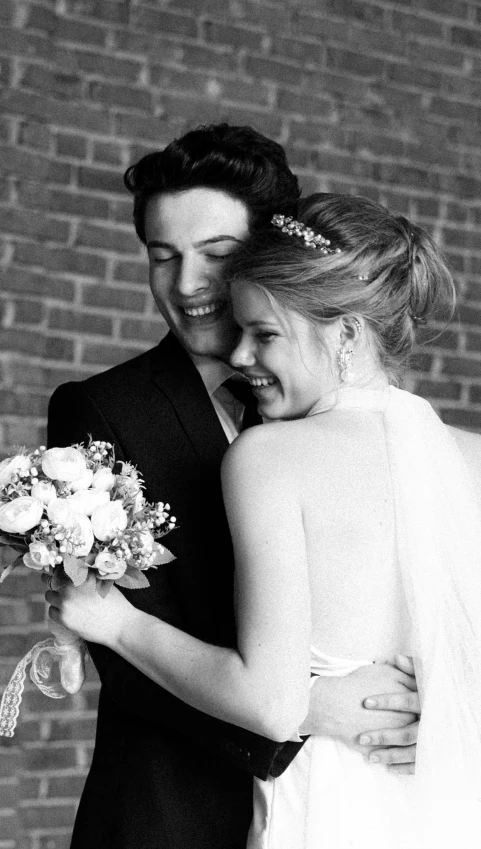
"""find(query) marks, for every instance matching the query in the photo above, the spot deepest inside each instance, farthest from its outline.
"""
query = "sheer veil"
(439, 544)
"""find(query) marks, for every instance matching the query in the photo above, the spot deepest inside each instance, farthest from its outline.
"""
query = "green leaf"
(133, 579)
(76, 569)
(14, 541)
(8, 569)
(162, 555)
(103, 587)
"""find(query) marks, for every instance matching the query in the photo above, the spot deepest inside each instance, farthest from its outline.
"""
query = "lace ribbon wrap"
(63, 648)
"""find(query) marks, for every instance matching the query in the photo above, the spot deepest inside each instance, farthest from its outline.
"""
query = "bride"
(355, 484)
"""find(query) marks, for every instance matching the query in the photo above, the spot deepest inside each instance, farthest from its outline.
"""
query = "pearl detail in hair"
(289, 225)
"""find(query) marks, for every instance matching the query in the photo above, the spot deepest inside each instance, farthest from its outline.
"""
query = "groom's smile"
(189, 236)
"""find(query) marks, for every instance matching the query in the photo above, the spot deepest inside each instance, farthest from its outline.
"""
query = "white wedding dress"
(423, 548)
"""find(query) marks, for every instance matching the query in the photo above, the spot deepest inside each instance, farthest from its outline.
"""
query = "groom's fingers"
(405, 702)
(392, 738)
(397, 759)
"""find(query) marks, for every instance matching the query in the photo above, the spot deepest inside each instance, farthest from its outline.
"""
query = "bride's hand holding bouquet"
(69, 514)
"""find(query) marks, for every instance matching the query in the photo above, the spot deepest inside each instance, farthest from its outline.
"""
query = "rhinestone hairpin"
(289, 225)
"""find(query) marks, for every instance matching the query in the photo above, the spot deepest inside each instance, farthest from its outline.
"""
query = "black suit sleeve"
(73, 416)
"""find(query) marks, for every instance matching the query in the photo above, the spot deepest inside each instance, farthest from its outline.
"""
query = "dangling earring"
(344, 358)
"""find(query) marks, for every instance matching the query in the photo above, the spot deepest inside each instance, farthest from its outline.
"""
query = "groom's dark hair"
(236, 160)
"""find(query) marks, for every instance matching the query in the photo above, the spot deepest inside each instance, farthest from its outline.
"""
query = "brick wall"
(379, 97)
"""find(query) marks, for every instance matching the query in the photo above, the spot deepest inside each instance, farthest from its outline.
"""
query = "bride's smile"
(289, 366)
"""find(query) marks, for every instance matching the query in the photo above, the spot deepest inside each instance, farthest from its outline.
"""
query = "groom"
(164, 775)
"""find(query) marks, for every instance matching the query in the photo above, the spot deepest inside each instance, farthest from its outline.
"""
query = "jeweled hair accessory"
(289, 225)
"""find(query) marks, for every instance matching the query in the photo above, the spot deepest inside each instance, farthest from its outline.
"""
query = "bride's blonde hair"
(389, 271)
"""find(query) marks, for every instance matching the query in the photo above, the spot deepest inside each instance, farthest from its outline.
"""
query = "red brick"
(27, 164)
(417, 25)
(357, 64)
(72, 146)
(114, 298)
(42, 816)
(439, 55)
(98, 64)
(235, 36)
(49, 82)
(21, 403)
(285, 73)
(69, 786)
(91, 324)
(9, 827)
(77, 115)
(458, 417)
(439, 389)
(29, 312)
(147, 17)
(132, 272)
(36, 135)
(65, 260)
(34, 225)
(36, 344)
(466, 37)
(122, 96)
(462, 366)
(107, 238)
(55, 840)
(104, 10)
(7, 11)
(23, 281)
(72, 729)
(101, 180)
(108, 153)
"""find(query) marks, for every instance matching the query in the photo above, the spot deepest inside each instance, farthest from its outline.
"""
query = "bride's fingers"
(404, 663)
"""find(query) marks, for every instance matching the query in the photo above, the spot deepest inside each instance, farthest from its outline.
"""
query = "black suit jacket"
(164, 775)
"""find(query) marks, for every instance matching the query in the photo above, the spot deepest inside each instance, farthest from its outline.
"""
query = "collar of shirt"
(229, 411)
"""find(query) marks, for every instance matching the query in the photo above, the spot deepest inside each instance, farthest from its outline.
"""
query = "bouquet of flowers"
(68, 513)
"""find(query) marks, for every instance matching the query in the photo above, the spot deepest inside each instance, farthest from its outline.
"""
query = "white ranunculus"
(11, 466)
(87, 500)
(59, 513)
(109, 567)
(146, 540)
(83, 482)
(20, 515)
(84, 536)
(39, 556)
(103, 479)
(109, 520)
(44, 491)
(64, 464)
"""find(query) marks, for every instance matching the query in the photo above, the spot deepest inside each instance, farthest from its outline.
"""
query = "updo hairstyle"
(389, 271)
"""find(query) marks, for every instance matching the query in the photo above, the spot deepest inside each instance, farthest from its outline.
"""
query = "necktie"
(242, 391)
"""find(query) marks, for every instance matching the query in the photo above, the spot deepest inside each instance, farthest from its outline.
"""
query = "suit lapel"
(175, 374)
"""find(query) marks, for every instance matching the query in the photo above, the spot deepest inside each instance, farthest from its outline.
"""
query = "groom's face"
(189, 236)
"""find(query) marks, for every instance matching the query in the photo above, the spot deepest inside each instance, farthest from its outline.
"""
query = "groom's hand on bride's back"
(374, 710)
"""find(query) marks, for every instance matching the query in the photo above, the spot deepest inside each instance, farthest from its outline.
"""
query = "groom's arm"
(73, 415)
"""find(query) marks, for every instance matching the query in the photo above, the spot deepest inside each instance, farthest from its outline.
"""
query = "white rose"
(20, 515)
(103, 479)
(87, 500)
(44, 491)
(59, 513)
(11, 465)
(109, 566)
(83, 482)
(108, 520)
(84, 536)
(39, 556)
(64, 464)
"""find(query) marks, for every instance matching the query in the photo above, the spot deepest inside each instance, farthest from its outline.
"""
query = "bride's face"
(289, 368)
